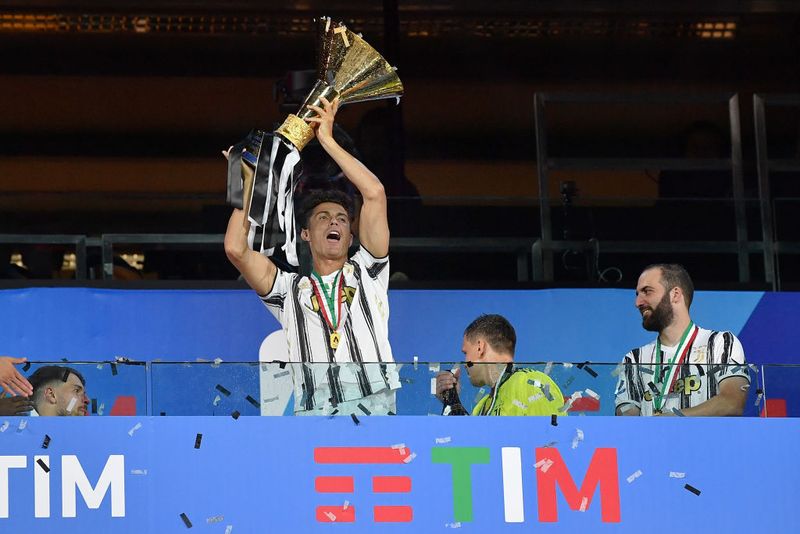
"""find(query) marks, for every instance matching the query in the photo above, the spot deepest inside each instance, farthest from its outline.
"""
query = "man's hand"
(15, 406)
(324, 121)
(11, 381)
(447, 380)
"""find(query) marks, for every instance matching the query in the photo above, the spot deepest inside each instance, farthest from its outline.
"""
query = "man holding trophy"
(336, 319)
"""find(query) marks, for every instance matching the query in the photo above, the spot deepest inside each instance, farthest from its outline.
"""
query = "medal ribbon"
(681, 350)
(335, 297)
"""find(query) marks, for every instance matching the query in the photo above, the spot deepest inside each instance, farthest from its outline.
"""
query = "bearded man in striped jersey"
(336, 320)
(686, 370)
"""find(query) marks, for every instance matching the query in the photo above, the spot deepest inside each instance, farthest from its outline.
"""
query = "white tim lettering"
(6, 463)
(41, 487)
(512, 485)
(73, 476)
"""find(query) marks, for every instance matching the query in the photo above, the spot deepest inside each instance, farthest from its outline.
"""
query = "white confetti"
(433, 386)
(534, 398)
(443, 440)
(272, 399)
(101, 408)
(547, 465)
(434, 367)
(457, 524)
(592, 394)
(100, 365)
(22, 425)
(330, 516)
(346, 505)
(229, 529)
(217, 400)
(216, 363)
(676, 474)
(548, 367)
(401, 447)
(136, 427)
(410, 457)
(566, 365)
(617, 370)
(215, 519)
(578, 438)
(634, 476)
(446, 411)
(584, 503)
(416, 361)
(71, 405)
(479, 395)
(138, 471)
(4, 426)
(519, 405)
(281, 374)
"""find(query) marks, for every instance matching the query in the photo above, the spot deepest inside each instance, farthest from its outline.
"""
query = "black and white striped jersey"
(711, 358)
(362, 363)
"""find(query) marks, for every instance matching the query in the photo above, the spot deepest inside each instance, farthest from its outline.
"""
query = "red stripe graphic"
(336, 514)
(334, 484)
(360, 455)
(393, 514)
(391, 484)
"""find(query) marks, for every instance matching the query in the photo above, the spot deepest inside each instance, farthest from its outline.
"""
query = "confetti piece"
(584, 503)
(548, 463)
(416, 361)
(281, 374)
(186, 521)
(222, 390)
(216, 401)
(65, 376)
(113, 369)
(272, 399)
(341, 30)
(215, 519)
(217, 362)
(753, 367)
(197, 440)
(43, 465)
(434, 367)
(136, 427)
(590, 371)
(547, 394)
(346, 505)
(71, 405)
(519, 405)
(534, 398)
(355, 419)
(447, 410)
(229, 529)
(759, 395)
(569, 381)
(94, 405)
(646, 370)
(4, 426)
(235, 414)
(620, 389)
(23, 424)
(457, 524)
(479, 395)
(617, 370)
(568, 365)
(101, 408)
(330, 516)
(138, 471)
(692, 489)
(634, 476)
(554, 420)
(677, 412)
(364, 409)
(252, 401)
(676, 474)
(46, 442)
(578, 438)
(407, 459)
(548, 367)
(534, 383)
(592, 394)
(433, 386)
(446, 439)
(401, 447)
(100, 365)
(26, 367)
(653, 387)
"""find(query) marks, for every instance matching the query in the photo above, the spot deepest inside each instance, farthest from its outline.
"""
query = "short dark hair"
(44, 376)
(318, 196)
(497, 331)
(675, 275)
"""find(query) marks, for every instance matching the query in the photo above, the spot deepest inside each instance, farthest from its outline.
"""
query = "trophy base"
(296, 131)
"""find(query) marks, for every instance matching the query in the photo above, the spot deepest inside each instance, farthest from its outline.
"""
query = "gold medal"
(334, 340)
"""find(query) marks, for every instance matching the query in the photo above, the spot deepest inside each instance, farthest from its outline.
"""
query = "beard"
(660, 317)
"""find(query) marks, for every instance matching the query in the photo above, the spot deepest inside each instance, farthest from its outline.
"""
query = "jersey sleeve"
(376, 268)
(728, 357)
(275, 300)
(629, 391)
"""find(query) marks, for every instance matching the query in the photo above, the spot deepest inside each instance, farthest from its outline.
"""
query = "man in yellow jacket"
(488, 347)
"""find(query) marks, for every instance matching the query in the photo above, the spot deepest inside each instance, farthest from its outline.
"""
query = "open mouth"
(333, 235)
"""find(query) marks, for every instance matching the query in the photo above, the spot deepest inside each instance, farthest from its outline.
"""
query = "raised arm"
(257, 269)
(373, 230)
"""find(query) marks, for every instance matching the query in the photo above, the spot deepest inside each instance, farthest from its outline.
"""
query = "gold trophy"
(347, 68)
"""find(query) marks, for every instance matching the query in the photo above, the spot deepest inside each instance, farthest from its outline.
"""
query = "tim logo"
(346, 513)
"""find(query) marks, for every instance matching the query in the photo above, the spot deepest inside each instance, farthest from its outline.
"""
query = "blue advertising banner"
(398, 474)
